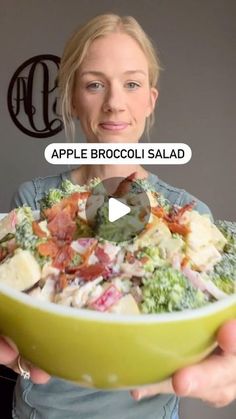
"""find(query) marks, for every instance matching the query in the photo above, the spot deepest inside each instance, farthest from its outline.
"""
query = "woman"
(108, 78)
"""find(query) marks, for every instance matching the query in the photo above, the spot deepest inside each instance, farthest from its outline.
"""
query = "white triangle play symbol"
(116, 209)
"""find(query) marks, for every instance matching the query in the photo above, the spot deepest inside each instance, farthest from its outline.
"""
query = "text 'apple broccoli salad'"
(181, 260)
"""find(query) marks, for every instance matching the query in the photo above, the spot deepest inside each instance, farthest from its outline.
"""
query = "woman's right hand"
(9, 355)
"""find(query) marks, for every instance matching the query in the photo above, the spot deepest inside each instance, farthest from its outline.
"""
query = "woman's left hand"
(212, 380)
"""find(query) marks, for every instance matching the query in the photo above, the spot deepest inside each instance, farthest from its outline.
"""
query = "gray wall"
(196, 103)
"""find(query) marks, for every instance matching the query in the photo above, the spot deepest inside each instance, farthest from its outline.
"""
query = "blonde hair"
(77, 47)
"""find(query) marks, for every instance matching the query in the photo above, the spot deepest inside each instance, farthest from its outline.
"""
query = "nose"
(114, 100)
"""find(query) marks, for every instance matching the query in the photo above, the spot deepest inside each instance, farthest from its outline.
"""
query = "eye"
(95, 85)
(132, 85)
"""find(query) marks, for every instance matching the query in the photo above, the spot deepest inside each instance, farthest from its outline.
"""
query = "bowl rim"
(105, 317)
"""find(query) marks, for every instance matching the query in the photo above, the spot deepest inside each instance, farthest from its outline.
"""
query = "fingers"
(153, 389)
(221, 397)
(9, 356)
(8, 351)
(204, 379)
(36, 375)
(217, 371)
(39, 376)
(21, 367)
(226, 337)
(213, 380)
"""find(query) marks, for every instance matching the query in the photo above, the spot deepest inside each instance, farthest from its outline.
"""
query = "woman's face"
(112, 97)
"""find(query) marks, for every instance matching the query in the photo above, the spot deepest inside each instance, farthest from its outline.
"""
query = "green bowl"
(107, 350)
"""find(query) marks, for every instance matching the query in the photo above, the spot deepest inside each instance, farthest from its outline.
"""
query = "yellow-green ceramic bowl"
(107, 350)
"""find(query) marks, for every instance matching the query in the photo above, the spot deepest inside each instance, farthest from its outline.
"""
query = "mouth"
(114, 126)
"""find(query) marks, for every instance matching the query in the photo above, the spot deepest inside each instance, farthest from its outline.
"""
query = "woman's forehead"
(115, 49)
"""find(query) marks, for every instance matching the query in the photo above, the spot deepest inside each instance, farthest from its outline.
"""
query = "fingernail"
(137, 395)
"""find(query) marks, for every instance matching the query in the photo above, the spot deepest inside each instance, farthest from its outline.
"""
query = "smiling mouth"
(114, 126)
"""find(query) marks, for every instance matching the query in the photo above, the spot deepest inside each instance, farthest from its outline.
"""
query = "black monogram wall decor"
(33, 97)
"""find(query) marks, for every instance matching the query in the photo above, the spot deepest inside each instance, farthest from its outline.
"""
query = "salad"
(180, 260)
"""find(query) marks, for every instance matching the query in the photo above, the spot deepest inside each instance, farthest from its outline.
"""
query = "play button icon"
(116, 209)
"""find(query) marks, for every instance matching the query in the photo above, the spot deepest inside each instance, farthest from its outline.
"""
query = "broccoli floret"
(225, 284)
(24, 212)
(53, 196)
(169, 290)
(224, 273)
(95, 183)
(154, 259)
(24, 236)
(228, 229)
(69, 188)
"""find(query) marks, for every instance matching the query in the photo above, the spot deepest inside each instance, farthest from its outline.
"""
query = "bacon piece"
(84, 247)
(158, 211)
(63, 281)
(49, 248)
(72, 270)
(89, 251)
(62, 226)
(184, 262)
(178, 228)
(88, 273)
(144, 259)
(71, 203)
(63, 257)
(37, 230)
(177, 213)
(187, 207)
(124, 186)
